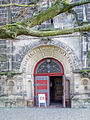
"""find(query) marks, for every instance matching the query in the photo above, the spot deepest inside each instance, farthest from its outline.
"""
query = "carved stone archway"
(44, 51)
(31, 45)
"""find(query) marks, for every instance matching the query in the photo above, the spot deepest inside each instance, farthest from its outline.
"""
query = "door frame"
(63, 103)
(52, 74)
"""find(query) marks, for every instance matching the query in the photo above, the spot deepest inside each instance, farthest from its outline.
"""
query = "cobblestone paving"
(44, 114)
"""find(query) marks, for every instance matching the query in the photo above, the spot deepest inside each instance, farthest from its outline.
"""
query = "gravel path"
(44, 114)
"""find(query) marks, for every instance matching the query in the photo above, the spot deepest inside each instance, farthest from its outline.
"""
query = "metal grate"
(49, 66)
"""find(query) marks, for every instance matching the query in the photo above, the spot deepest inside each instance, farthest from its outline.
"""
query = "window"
(49, 66)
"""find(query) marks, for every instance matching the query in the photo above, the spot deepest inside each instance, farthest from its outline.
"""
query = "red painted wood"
(49, 90)
(44, 87)
(47, 74)
(34, 90)
(65, 91)
(41, 81)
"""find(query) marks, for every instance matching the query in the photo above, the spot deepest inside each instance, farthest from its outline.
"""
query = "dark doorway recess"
(56, 90)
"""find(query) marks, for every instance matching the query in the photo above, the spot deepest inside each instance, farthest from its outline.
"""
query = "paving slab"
(44, 114)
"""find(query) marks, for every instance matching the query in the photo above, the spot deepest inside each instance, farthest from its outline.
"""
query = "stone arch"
(39, 42)
(53, 66)
(44, 51)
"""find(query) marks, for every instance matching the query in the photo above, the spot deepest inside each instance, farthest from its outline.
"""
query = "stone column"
(29, 89)
(84, 48)
(10, 54)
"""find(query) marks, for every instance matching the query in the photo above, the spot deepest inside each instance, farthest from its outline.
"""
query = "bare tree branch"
(54, 32)
(58, 32)
(19, 5)
(11, 31)
(75, 15)
(26, 31)
(58, 8)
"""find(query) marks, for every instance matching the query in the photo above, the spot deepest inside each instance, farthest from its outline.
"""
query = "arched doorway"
(49, 79)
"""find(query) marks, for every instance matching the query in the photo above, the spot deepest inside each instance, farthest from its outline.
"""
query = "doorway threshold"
(56, 105)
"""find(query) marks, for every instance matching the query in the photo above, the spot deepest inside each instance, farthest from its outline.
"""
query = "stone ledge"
(80, 101)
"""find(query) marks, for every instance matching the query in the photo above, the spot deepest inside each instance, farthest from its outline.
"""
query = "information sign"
(41, 99)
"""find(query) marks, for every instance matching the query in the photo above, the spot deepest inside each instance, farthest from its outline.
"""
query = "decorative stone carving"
(85, 85)
(49, 66)
(11, 87)
(67, 51)
(47, 51)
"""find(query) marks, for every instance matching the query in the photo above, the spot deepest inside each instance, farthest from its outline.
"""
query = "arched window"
(49, 65)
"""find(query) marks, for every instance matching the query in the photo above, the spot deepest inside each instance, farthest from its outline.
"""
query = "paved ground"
(44, 114)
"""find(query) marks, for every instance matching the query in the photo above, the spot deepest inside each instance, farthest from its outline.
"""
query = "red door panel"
(42, 87)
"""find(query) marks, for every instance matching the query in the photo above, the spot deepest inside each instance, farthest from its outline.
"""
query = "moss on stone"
(85, 73)
(87, 100)
(11, 31)
(9, 74)
(89, 56)
(3, 58)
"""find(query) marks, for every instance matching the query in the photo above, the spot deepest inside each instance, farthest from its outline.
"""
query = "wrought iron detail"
(49, 66)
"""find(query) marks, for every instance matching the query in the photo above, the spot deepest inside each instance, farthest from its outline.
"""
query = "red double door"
(44, 69)
(42, 86)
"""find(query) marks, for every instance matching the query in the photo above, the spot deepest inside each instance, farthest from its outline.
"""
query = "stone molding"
(65, 51)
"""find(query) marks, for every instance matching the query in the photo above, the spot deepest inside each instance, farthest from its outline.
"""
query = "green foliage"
(3, 58)
(9, 74)
(89, 56)
(87, 100)
(85, 73)
(11, 31)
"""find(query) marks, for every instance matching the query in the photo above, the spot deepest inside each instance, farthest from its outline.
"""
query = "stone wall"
(81, 97)
(23, 53)
(13, 92)
(62, 21)
(81, 101)
(3, 55)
